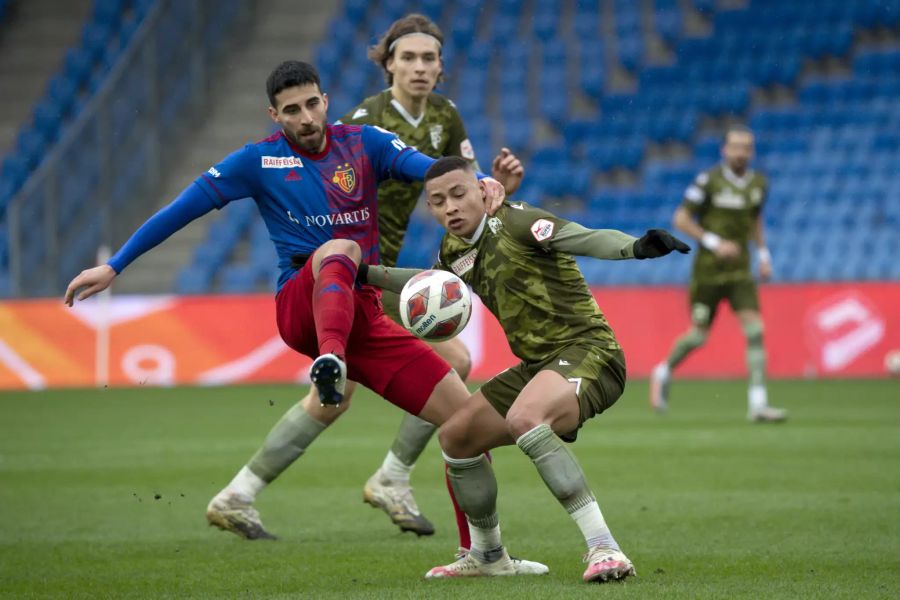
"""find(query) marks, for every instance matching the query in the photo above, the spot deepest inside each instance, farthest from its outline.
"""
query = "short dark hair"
(445, 164)
(412, 23)
(290, 73)
(738, 128)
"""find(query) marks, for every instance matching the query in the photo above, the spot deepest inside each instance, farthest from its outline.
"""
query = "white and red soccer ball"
(435, 305)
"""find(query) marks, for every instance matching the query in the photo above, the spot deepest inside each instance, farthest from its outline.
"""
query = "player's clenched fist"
(658, 242)
(94, 280)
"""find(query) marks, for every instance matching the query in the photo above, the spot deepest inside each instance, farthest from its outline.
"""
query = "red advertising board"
(812, 330)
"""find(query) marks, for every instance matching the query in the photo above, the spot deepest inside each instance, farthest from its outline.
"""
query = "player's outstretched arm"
(387, 278)
(611, 244)
(189, 205)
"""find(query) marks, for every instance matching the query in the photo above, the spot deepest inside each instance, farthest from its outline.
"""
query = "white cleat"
(659, 388)
(469, 566)
(767, 414)
(607, 564)
(397, 501)
(230, 512)
(522, 566)
(329, 374)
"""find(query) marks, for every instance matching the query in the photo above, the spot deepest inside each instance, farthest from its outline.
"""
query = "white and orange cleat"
(469, 566)
(607, 564)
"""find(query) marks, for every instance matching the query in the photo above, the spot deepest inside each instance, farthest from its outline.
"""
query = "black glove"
(656, 243)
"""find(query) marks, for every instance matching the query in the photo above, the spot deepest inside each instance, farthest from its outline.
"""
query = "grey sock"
(475, 488)
(288, 439)
(411, 439)
(558, 467)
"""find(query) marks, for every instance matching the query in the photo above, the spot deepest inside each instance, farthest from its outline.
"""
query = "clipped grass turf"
(102, 494)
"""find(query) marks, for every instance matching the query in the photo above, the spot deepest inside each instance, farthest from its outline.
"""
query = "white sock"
(593, 527)
(662, 371)
(394, 468)
(246, 483)
(757, 399)
(486, 543)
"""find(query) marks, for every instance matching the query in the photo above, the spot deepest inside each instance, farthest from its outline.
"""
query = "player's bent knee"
(753, 330)
(452, 439)
(519, 422)
(457, 354)
(346, 247)
(327, 414)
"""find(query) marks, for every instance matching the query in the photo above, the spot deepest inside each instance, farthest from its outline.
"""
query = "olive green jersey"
(728, 206)
(438, 132)
(536, 292)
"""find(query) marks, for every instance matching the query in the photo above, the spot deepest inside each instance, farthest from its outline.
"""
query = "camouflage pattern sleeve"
(532, 226)
(696, 196)
(361, 114)
(458, 143)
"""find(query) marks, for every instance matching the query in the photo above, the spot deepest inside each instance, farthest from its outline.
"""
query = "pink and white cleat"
(607, 564)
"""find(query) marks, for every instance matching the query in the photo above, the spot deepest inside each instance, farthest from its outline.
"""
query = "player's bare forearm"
(391, 279)
(759, 234)
(684, 222)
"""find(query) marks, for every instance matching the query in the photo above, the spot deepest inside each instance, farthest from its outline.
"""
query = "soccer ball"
(435, 305)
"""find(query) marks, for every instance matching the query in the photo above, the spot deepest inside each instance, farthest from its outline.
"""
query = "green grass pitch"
(102, 494)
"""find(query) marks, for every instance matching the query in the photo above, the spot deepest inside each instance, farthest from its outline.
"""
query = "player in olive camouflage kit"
(410, 55)
(722, 209)
(520, 263)
(437, 132)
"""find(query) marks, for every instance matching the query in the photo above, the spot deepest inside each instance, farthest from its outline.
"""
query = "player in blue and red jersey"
(316, 187)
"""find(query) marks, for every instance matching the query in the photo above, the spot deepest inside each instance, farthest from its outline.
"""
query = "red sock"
(332, 303)
(462, 525)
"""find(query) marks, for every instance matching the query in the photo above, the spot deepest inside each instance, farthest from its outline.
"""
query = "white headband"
(416, 33)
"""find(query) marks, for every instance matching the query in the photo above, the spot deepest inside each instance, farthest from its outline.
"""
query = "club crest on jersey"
(345, 178)
(542, 229)
(436, 132)
(495, 225)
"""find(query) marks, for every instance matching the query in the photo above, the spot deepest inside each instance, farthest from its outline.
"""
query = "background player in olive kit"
(722, 210)
(520, 263)
(409, 53)
(416, 42)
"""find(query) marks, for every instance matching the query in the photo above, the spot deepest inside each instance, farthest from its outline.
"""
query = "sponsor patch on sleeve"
(542, 229)
(694, 194)
(466, 150)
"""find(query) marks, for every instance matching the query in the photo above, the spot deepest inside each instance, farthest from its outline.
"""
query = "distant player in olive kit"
(521, 264)
(722, 210)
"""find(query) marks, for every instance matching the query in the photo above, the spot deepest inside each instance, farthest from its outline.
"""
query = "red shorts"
(381, 355)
